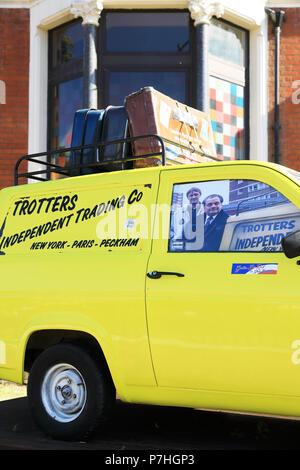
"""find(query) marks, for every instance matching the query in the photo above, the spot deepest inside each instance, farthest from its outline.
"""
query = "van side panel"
(74, 257)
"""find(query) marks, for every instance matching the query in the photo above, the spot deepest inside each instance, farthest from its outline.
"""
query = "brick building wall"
(14, 84)
(289, 110)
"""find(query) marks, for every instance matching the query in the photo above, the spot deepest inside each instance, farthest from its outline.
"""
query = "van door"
(225, 315)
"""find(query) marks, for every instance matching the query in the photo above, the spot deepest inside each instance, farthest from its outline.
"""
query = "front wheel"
(69, 393)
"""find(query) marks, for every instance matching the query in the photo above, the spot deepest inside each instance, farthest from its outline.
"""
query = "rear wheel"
(69, 393)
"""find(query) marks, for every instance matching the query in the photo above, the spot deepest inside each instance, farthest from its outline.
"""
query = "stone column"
(202, 12)
(90, 12)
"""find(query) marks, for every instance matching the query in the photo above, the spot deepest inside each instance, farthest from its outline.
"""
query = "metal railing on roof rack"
(66, 171)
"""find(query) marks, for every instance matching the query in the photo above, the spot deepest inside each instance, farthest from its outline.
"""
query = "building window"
(228, 83)
(140, 48)
(145, 48)
(227, 42)
(143, 32)
(65, 82)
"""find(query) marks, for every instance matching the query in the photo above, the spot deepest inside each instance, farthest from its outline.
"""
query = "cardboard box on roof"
(152, 112)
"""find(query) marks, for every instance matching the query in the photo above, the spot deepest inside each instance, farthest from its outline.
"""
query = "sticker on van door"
(254, 268)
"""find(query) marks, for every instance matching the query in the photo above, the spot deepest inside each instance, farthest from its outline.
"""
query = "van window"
(230, 215)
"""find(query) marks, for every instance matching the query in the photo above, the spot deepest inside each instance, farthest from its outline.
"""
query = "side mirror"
(291, 244)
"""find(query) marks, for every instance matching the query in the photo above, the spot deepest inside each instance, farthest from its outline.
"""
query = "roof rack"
(43, 158)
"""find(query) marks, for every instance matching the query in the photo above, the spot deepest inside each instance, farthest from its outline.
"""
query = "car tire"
(69, 393)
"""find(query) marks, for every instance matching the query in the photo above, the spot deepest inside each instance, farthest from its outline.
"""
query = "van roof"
(69, 181)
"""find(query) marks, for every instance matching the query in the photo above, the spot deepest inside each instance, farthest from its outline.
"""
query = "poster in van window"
(230, 215)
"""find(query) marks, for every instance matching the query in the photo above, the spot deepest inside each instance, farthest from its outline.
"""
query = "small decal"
(254, 268)
(130, 223)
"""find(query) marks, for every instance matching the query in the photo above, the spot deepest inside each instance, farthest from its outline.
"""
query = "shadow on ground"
(143, 427)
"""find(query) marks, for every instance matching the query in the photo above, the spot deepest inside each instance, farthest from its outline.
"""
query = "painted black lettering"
(21, 236)
(93, 212)
(101, 208)
(54, 224)
(121, 202)
(73, 201)
(47, 227)
(50, 199)
(41, 201)
(113, 204)
(14, 239)
(32, 206)
(7, 242)
(2, 241)
(17, 205)
(78, 212)
(33, 234)
(64, 202)
(25, 205)
(27, 233)
(40, 230)
(56, 204)
(61, 222)
(86, 213)
(132, 196)
(107, 205)
(135, 196)
(68, 219)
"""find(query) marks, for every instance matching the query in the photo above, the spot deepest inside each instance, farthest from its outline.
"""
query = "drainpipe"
(277, 19)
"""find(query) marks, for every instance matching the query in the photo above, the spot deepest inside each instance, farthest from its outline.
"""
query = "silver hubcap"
(63, 393)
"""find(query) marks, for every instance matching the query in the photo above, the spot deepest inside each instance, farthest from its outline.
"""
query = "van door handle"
(158, 274)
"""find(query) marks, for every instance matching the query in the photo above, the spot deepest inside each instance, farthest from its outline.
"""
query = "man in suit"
(193, 196)
(214, 222)
(187, 223)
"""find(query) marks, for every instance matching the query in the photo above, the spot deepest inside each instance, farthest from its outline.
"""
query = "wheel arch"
(41, 339)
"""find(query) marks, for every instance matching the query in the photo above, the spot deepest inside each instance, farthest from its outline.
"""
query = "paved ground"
(139, 427)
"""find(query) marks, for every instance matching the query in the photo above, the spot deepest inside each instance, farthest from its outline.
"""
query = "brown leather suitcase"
(151, 112)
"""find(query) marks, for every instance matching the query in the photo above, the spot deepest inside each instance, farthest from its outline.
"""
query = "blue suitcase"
(87, 128)
(115, 127)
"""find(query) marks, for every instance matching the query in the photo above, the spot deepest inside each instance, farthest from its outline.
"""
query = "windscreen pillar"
(201, 12)
(90, 12)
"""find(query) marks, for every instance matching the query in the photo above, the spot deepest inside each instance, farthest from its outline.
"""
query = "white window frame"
(47, 14)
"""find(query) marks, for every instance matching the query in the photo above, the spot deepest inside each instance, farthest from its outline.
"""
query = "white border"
(259, 93)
